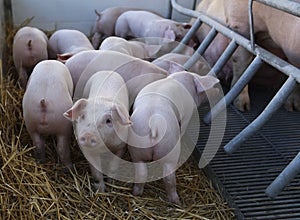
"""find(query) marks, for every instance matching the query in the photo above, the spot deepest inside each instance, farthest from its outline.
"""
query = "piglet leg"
(170, 182)
(141, 174)
(63, 151)
(39, 142)
(98, 176)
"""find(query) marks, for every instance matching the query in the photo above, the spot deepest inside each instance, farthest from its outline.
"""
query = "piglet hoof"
(40, 160)
(109, 180)
(23, 82)
(292, 103)
(297, 106)
(138, 189)
(68, 168)
(242, 103)
(174, 199)
(99, 186)
(288, 106)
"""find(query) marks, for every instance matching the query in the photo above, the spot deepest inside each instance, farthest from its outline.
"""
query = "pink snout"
(88, 140)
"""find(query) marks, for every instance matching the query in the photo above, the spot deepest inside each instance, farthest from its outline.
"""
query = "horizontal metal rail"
(288, 6)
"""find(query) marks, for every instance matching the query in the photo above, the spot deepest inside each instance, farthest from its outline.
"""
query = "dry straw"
(43, 191)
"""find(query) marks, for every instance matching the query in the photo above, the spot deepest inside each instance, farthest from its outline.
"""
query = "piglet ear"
(204, 83)
(121, 114)
(76, 110)
(186, 25)
(170, 34)
(98, 13)
(175, 67)
(64, 57)
(152, 50)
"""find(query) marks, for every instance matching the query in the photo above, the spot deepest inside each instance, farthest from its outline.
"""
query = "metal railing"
(261, 56)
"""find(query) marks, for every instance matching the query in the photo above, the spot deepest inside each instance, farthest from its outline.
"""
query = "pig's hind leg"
(63, 150)
(141, 174)
(39, 143)
(23, 77)
(170, 183)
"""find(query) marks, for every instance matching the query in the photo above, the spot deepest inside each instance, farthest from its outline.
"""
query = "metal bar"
(206, 42)
(170, 10)
(278, 63)
(224, 58)
(267, 113)
(235, 90)
(201, 49)
(194, 5)
(188, 36)
(251, 24)
(288, 6)
(284, 178)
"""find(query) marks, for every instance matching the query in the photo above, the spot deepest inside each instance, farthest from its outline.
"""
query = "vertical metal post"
(194, 5)
(267, 113)
(284, 178)
(235, 90)
(250, 14)
(170, 10)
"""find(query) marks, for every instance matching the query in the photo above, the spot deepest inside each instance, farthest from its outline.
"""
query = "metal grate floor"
(244, 176)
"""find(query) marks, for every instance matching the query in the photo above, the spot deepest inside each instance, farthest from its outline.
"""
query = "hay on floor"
(33, 191)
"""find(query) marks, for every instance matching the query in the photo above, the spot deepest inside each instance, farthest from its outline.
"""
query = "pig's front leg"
(141, 174)
(293, 101)
(98, 176)
(115, 162)
(39, 143)
(63, 150)
(241, 59)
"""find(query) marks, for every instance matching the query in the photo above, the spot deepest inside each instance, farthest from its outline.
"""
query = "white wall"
(79, 14)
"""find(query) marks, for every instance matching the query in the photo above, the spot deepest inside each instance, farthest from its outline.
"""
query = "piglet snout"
(88, 140)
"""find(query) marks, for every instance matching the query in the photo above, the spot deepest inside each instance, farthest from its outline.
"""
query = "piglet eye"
(108, 122)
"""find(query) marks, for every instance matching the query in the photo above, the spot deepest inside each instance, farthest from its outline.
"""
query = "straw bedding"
(43, 191)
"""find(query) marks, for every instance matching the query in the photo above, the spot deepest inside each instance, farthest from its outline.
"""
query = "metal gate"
(261, 56)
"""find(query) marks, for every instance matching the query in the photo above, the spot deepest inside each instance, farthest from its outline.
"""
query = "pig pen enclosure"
(237, 184)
